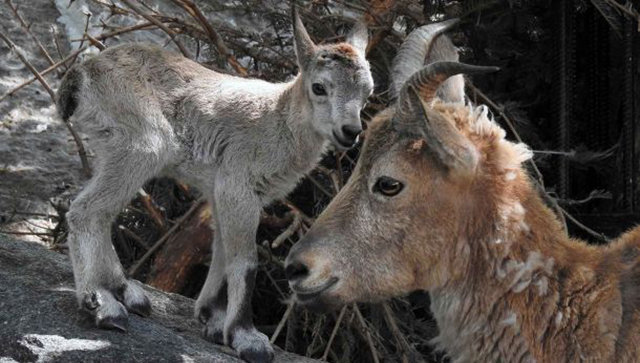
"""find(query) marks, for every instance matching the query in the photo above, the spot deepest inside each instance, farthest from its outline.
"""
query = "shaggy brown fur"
(507, 284)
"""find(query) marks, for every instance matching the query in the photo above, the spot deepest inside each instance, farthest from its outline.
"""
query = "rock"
(40, 320)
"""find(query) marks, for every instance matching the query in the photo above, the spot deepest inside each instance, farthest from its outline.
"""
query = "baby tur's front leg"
(237, 210)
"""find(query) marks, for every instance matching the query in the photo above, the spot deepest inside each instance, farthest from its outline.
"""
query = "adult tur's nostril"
(296, 270)
(351, 132)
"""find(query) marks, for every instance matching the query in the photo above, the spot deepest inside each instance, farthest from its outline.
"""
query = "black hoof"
(142, 308)
(213, 335)
(90, 301)
(252, 355)
(204, 315)
(114, 323)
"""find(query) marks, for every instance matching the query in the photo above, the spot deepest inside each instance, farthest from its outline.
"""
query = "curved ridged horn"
(415, 117)
(427, 80)
(413, 51)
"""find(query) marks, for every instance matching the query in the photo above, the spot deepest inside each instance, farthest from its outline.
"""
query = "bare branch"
(401, 341)
(27, 30)
(193, 10)
(56, 41)
(160, 25)
(156, 246)
(284, 319)
(365, 327)
(134, 237)
(152, 211)
(95, 42)
(334, 332)
(81, 151)
(293, 227)
(43, 73)
(28, 233)
(20, 53)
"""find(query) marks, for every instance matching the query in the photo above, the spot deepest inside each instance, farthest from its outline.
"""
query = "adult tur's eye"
(318, 89)
(388, 186)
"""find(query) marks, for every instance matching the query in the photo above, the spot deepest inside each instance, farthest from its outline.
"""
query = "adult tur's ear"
(304, 46)
(359, 36)
(415, 117)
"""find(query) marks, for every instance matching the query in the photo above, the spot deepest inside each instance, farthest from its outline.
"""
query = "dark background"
(569, 87)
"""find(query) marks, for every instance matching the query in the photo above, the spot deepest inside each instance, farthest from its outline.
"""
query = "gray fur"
(243, 142)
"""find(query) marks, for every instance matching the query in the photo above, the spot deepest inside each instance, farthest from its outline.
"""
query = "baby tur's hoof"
(109, 313)
(252, 346)
(114, 323)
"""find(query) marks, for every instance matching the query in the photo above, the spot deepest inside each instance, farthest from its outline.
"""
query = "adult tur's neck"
(511, 295)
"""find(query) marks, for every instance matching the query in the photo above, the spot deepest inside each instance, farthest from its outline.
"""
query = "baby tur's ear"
(359, 36)
(304, 46)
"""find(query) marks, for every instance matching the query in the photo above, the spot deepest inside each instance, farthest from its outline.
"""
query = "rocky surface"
(40, 320)
(38, 159)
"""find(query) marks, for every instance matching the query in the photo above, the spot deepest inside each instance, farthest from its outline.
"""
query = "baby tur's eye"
(318, 89)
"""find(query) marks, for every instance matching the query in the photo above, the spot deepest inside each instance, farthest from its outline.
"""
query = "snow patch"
(63, 289)
(46, 347)
(76, 15)
(73, 15)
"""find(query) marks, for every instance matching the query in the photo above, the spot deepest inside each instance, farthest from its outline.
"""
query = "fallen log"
(188, 247)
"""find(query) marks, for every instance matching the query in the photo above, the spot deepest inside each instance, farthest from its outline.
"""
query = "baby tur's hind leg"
(101, 286)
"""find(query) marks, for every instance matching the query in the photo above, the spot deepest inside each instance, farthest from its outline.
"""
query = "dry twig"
(273, 281)
(193, 10)
(156, 246)
(293, 227)
(284, 319)
(401, 341)
(95, 42)
(334, 332)
(305, 218)
(320, 186)
(43, 73)
(139, 241)
(27, 28)
(152, 211)
(28, 233)
(20, 53)
(365, 328)
(160, 25)
(81, 151)
(86, 30)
